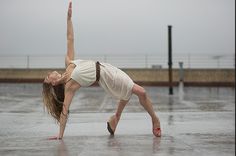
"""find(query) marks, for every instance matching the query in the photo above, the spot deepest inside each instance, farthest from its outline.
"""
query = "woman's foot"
(156, 128)
(112, 123)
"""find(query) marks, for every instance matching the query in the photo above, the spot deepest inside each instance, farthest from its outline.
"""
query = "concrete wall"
(192, 77)
(205, 77)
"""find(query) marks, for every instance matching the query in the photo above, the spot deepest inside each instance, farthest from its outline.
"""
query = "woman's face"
(53, 77)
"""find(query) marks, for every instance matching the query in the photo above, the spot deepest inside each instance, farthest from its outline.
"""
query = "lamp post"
(170, 59)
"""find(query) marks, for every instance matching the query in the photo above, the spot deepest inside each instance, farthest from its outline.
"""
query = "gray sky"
(38, 27)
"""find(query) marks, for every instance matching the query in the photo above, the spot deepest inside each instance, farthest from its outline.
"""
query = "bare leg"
(113, 121)
(120, 108)
(146, 103)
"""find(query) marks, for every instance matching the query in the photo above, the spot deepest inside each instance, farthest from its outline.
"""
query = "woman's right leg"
(146, 103)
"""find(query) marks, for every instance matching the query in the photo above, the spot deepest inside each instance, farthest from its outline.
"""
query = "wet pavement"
(198, 121)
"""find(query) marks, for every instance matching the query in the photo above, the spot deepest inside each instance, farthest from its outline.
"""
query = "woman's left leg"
(113, 121)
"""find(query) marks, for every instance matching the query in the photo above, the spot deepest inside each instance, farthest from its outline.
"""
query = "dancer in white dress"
(59, 89)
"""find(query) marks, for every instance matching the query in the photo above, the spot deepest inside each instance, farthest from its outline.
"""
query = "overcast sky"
(38, 27)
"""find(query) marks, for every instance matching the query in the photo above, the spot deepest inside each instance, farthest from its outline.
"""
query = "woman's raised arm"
(70, 37)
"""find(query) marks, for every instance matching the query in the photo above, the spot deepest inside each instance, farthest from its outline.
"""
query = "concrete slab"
(199, 122)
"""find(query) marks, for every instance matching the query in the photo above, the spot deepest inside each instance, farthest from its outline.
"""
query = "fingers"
(70, 9)
(70, 5)
(54, 138)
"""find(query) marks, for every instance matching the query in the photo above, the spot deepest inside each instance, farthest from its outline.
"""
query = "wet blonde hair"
(53, 98)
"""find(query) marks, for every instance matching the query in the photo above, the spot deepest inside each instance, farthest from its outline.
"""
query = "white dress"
(113, 80)
(84, 73)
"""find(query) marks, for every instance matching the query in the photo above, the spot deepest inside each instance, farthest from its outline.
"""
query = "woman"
(59, 89)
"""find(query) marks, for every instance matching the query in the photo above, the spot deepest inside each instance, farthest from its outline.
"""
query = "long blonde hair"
(53, 98)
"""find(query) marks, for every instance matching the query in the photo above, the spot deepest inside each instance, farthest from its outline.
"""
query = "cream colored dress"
(113, 80)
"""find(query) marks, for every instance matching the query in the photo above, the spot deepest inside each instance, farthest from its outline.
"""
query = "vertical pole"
(28, 61)
(146, 61)
(170, 59)
(189, 60)
(181, 81)
(181, 71)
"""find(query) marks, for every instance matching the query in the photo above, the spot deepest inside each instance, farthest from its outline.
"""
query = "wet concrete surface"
(199, 121)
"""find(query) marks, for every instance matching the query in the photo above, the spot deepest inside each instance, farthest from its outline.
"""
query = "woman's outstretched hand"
(69, 10)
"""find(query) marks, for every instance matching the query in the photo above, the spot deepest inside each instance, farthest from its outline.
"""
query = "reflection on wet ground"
(195, 121)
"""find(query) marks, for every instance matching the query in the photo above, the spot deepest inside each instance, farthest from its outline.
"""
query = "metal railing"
(122, 61)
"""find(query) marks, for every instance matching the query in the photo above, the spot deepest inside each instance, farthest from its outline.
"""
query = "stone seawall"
(157, 77)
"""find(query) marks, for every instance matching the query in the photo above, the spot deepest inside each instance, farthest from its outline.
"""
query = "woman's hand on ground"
(54, 138)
